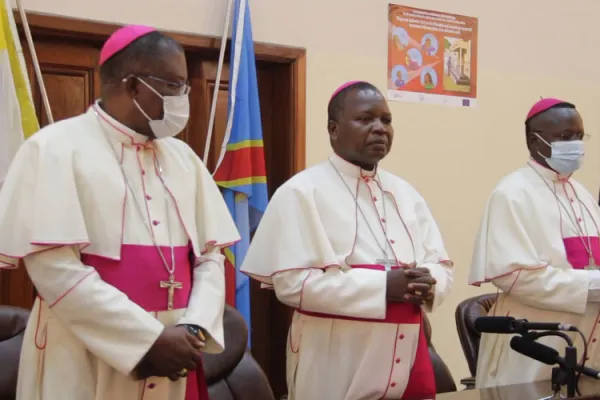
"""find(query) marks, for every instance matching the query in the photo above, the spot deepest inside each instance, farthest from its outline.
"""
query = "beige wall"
(453, 156)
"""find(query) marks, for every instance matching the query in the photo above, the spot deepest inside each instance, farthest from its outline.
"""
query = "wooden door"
(70, 76)
(202, 75)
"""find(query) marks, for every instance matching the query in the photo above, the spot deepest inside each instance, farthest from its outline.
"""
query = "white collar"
(351, 170)
(116, 130)
(547, 173)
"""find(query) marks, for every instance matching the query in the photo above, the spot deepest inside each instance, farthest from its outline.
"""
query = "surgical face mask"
(565, 156)
(176, 112)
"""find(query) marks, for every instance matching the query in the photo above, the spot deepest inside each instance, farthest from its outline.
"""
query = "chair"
(234, 374)
(231, 375)
(443, 378)
(466, 314)
(12, 327)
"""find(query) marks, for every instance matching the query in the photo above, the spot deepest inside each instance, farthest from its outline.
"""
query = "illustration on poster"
(429, 79)
(429, 44)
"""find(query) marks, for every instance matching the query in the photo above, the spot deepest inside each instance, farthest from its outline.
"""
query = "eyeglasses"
(173, 88)
(566, 136)
(180, 88)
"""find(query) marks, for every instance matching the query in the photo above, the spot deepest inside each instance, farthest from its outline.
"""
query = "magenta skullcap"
(543, 105)
(122, 38)
(344, 86)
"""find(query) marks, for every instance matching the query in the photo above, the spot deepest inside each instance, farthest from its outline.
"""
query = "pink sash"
(140, 272)
(577, 255)
(196, 387)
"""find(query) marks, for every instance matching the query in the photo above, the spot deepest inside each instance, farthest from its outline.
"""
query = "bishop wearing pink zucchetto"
(539, 246)
(120, 227)
(356, 252)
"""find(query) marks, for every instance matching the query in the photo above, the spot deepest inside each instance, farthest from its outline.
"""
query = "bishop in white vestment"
(120, 228)
(329, 244)
(539, 245)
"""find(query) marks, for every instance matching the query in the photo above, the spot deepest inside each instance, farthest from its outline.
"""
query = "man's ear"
(530, 139)
(131, 86)
(332, 129)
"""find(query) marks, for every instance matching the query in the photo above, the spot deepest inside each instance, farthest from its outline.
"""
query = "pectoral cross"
(387, 263)
(171, 285)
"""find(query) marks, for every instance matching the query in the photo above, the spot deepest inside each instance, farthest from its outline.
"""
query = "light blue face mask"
(565, 156)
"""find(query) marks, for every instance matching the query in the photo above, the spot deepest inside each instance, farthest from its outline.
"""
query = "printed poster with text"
(432, 57)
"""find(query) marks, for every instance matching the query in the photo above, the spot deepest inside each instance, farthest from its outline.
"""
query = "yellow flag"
(17, 113)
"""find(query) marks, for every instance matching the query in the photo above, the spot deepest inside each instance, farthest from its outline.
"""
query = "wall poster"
(432, 57)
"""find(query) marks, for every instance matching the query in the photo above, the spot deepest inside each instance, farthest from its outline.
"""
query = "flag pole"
(235, 64)
(36, 64)
(213, 108)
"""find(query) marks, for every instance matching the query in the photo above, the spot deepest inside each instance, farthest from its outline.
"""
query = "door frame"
(272, 322)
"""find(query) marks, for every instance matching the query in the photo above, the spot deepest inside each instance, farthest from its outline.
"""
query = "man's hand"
(175, 349)
(410, 285)
(144, 370)
(420, 276)
(397, 285)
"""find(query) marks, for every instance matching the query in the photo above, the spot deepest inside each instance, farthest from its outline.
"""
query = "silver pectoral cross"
(387, 263)
(171, 285)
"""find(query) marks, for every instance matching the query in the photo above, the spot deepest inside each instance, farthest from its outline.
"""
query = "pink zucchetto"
(543, 105)
(344, 86)
(122, 38)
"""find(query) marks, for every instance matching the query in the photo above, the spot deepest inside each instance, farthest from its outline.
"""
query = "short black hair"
(336, 104)
(559, 105)
(138, 57)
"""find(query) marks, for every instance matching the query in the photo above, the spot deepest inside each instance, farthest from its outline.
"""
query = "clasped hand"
(414, 285)
(175, 350)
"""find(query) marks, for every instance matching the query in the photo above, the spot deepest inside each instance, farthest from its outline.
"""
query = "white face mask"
(176, 112)
(565, 156)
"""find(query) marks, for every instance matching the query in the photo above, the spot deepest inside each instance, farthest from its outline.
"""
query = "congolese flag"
(241, 167)
(17, 113)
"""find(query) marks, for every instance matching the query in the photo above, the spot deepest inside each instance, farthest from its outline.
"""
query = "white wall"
(454, 156)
